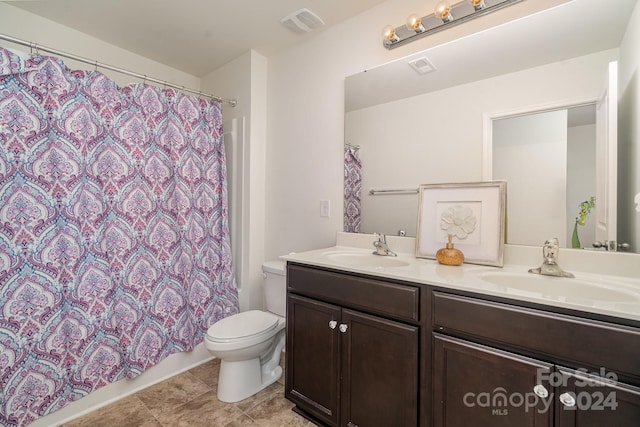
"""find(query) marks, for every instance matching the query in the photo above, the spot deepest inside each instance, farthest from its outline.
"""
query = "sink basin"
(560, 287)
(366, 260)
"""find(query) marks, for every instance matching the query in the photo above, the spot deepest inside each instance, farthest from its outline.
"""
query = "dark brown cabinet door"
(585, 401)
(475, 385)
(379, 371)
(312, 357)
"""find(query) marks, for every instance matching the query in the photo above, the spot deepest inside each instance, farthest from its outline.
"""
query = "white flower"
(458, 221)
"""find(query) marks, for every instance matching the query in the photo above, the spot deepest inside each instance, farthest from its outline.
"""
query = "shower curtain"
(114, 241)
(352, 188)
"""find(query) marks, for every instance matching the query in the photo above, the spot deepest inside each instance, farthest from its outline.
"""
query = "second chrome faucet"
(550, 265)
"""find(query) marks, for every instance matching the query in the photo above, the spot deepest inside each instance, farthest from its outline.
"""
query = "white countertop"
(610, 295)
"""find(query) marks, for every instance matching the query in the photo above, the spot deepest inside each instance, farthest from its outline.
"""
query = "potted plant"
(585, 210)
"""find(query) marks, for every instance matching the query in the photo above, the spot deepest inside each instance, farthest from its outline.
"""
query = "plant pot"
(575, 240)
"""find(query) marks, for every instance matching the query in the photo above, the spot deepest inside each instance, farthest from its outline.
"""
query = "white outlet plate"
(325, 208)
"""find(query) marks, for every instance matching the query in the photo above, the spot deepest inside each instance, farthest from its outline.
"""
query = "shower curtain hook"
(37, 50)
(96, 64)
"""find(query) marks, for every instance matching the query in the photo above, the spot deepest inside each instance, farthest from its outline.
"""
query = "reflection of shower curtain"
(114, 244)
(352, 187)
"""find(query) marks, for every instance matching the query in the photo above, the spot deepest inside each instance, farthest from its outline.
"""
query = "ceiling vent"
(421, 65)
(302, 21)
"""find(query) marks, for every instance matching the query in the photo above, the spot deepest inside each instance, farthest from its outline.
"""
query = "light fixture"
(477, 4)
(389, 34)
(445, 15)
(414, 23)
(443, 11)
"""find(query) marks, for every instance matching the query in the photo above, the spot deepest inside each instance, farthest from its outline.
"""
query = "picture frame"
(473, 212)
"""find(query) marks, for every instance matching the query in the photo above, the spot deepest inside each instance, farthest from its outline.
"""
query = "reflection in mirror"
(548, 159)
(430, 127)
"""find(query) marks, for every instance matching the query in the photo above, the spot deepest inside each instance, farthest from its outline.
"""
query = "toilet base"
(239, 380)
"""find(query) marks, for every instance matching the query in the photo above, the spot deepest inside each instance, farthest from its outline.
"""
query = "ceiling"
(194, 36)
(572, 29)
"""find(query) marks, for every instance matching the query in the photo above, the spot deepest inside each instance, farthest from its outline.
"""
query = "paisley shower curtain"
(352, 188)
(114, 241)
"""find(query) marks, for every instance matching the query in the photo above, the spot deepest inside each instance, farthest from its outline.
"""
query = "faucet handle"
(551, 248)
(381, 237)
(554, 241)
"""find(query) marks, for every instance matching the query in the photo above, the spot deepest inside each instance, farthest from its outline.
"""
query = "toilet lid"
(243, 325)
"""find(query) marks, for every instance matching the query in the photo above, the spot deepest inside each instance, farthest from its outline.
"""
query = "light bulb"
(414, 23)
(443, 11)
(477, 4)
(389, 34)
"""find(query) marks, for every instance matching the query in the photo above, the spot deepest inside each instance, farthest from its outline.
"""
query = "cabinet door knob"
(333, 324)
(540, 391)
(567, 400)
(343, 327)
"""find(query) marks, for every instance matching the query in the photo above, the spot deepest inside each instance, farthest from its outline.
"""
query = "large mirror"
(427, 119)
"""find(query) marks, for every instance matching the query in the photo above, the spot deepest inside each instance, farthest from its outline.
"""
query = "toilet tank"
(275, 287)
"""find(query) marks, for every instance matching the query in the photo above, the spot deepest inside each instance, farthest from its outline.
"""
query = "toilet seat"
(248, 325)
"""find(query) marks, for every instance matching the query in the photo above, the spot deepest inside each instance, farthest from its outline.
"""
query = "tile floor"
(189, 399)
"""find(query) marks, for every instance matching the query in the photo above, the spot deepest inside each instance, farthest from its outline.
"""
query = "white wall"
(32, 28)
(530, 153)
(629, 133)
(306, 117)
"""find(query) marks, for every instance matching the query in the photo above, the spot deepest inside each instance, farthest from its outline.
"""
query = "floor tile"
(276, 412)
(204, 410)
(207, 372)
(170, 394)
(190, 399)
(243, 421)
(126, 412)
(261, 396)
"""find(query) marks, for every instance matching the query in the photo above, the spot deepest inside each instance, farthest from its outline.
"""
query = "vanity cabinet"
(473, 385)
(352, 348)
(498, 364)
(368, 351)
(591, 401)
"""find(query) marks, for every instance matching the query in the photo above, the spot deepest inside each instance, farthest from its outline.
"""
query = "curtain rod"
(145, 78)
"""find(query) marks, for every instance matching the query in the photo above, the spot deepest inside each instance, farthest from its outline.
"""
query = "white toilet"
(249, 343)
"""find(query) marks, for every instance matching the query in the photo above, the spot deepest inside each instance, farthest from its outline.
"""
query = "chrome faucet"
(381, 246)
(550, 265)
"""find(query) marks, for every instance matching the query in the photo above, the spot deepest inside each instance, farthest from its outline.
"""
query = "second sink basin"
(560, 287)
(366, 260)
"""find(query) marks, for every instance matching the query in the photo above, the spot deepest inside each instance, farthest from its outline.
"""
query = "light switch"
(325, 208)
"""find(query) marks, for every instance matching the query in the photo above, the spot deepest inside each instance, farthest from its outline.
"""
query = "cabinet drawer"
(585, 343)
(369, 295)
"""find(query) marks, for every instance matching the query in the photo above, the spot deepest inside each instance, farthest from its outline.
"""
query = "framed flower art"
(473, 213)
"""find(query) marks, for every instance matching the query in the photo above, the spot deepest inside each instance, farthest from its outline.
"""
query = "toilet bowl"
(249, 343)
